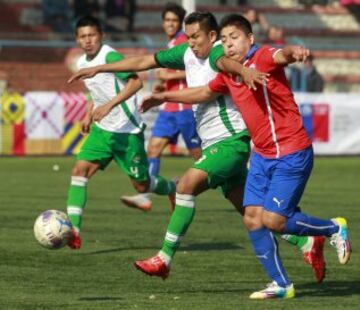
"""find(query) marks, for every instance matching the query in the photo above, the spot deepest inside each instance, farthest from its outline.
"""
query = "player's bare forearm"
(132, 86)
(166, 75)
(290, 54)
(136, 63)
(192, 95)
(250, 76)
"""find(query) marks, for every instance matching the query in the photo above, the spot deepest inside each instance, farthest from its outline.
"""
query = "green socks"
(76, 200)
(180, 220)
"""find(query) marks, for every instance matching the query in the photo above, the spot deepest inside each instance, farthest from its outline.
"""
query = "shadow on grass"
(328, 289)
(215, 246)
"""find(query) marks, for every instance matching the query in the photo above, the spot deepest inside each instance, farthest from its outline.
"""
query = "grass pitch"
(214, 269)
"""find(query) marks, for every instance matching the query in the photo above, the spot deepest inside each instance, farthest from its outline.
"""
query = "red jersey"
(270, 113)
(170, 85)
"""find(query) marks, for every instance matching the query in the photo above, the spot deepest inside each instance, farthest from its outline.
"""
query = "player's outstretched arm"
(250, 76)
(167, 75)
(192, 95)
(132, 86)
(290, 54)
(136, 63)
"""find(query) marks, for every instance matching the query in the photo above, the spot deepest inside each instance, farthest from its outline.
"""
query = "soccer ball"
(52, 229)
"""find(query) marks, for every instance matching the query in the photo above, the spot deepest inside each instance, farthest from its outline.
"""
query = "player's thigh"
(165, 125)
(85, 168)
(192, 182)
(96, 148)
(257, 182)
(288, 182)
(187, 127)
(225, 162)
(130, 156)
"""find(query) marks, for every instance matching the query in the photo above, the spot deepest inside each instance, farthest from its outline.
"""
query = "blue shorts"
(278, 184)
(171, 124)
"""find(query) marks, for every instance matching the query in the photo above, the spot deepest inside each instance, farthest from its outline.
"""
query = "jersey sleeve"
(215, 54)
(268, 58)
(172, 58)
(218, 84)
(114, 57)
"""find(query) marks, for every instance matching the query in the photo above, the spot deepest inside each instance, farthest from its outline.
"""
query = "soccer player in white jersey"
(113, 125)
(225, 140)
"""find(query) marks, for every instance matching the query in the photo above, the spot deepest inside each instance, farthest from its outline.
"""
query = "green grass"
(214, 269)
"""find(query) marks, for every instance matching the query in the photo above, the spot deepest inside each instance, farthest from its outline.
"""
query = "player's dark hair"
(238, 21)
(88, 21)
(206, 20)
(178, 10)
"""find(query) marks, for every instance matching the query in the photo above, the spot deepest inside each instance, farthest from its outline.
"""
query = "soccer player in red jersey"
(282, 158)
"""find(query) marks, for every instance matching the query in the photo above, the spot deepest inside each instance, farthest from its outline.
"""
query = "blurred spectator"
(258, 22)
(293, 74)
(56, 14)
(86, 8)
(120, 15)
(311, 80)
(275, 36)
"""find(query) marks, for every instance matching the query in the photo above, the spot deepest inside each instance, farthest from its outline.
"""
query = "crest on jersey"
(213, 150)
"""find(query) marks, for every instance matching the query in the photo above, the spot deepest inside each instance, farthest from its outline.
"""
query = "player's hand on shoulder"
(153, 100)
(252, 76)
(83, 74)
(300, 53)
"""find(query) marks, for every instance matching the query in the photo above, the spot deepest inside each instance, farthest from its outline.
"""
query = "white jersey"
(216, 120)
(124, 118)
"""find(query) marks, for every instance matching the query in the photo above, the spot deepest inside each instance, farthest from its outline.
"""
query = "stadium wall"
(48, 123)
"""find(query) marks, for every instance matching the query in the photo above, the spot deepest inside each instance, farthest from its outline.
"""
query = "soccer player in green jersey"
(226, 142)
(113, 125)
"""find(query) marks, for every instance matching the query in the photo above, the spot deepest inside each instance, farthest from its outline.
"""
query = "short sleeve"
(114, 57)
(218, 85)
(172, 58)
(268, 58)
(215, 54)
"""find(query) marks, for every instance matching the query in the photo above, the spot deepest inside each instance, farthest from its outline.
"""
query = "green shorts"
(225, 162)
(126, 149)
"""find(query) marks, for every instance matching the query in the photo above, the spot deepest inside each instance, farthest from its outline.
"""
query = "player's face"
(199, 41)
(171, 24)
(236, 42)
(89, 39)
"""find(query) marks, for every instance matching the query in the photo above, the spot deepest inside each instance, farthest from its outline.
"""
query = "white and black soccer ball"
(52, 229)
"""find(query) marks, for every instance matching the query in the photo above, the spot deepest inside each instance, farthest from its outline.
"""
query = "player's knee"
(154, 150)
(274, 222)
(252, 218)
(183, 187)
(80, 171)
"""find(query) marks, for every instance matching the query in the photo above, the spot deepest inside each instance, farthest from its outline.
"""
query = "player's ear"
(213, 36)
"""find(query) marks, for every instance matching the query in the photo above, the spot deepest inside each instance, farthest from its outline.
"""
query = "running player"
(283, 157)
(114, 126)
(225, 140)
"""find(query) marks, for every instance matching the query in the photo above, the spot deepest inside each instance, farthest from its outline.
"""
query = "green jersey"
(124, 118)
(218, 119)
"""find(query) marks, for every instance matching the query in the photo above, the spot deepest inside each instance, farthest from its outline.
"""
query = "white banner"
(332, 121)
